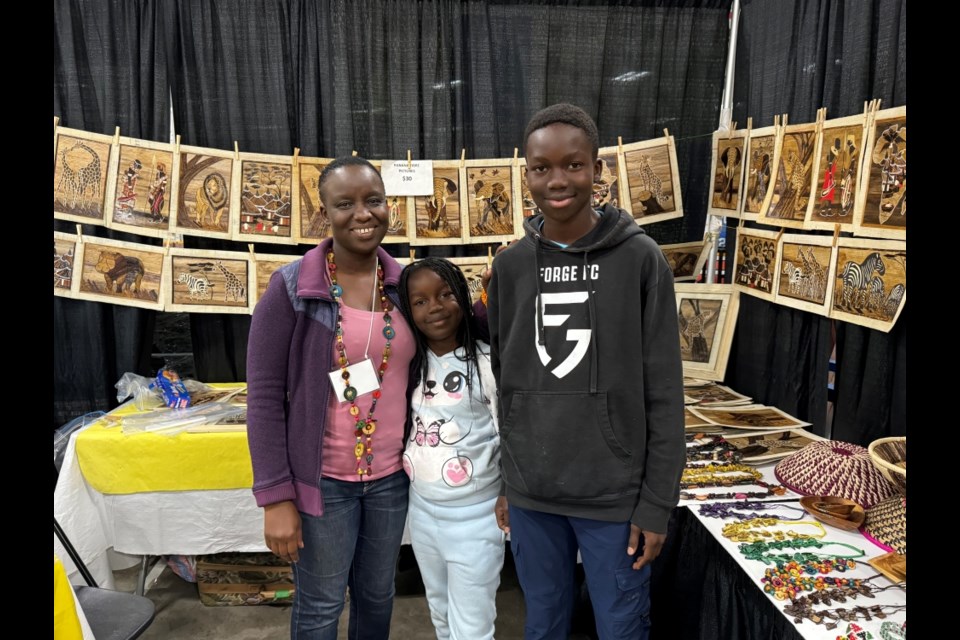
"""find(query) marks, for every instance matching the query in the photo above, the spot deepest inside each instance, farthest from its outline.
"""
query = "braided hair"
(467, 332)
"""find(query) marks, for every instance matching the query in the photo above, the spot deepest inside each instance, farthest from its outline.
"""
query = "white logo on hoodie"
(580, 336)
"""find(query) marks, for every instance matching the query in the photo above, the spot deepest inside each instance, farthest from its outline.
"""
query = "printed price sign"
(403, 179)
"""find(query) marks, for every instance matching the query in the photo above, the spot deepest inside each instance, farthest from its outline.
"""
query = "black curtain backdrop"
(379, 77)
(795, 56)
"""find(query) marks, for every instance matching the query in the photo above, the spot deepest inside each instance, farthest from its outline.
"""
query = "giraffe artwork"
(791, 177)
(208, 281)
(437, 216)
(706, 315)
(652, 189)
(80, 176)
(803, 278)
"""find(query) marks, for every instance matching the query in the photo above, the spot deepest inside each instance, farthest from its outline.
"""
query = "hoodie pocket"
(561, 446)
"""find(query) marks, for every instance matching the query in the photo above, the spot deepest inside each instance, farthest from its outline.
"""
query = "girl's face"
(435, 310)
(355, 205)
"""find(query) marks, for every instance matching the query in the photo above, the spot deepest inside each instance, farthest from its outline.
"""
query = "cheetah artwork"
(652, 189)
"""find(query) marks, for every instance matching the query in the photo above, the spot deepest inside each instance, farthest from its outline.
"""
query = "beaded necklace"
(710, 475)
(757, 529)
(725, 510)
(364, 427)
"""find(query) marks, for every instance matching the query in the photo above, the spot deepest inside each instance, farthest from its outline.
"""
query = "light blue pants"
(460, 554)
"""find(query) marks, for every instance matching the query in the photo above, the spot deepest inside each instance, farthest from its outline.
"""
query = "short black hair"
(567, 114)
(339, 163)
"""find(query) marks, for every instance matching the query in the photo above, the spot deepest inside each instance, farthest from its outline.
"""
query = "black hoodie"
(591, 382)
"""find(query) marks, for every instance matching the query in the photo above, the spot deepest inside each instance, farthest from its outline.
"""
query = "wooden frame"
(142, 174)
(803, 262)
(791, 177)
(706, 334)
(309, 226)
(755, 274)
(726, 172)
(400, 226)
(81, 172)
(640, 188)
(488, 177)
(263, 198)
(686, 259)
(882, 211)
(203, 206)
(65, 251)
(837, 166)
(879, 294)
(198, 279)
(758, 156)
(447, 175)
(263, 267)
(123, 273)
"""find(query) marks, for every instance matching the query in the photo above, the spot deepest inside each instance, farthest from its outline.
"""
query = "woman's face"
(354, 202)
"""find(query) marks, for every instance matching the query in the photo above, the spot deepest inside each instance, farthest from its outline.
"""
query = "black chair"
(112, 615)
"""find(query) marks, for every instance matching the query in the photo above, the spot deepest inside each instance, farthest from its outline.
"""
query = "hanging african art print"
(836, 172)
(805, 272)
(755, 262)
(791, 177)
(81, 164)
(491, 214)
(727, 172)
(437, 218)
(652, 181)
(264, 267)
(871, 282)
(707, 315)
(202, 207)
(399, 219)
(142, 186)
(64, 251)
(472, 269)
(758, 165)
(309, 225)
(208, 281)
(263, 198)
(686, 259)
(883, 211)
(121, 273)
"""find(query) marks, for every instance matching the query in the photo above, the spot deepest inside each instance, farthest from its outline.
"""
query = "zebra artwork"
(856, 278)
(198, 286)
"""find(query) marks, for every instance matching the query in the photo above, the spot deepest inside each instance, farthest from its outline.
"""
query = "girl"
(328, 364)
(452, 455)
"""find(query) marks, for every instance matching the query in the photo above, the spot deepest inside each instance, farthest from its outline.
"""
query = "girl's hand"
(281, 530)
(503, 514)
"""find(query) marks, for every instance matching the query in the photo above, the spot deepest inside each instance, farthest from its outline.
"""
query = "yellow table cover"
(66, 622)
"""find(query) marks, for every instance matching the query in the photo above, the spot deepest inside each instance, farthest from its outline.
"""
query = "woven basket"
(887, 523)
(890, 457)
(833, 468)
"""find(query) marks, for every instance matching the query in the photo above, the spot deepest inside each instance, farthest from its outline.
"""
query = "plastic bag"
(61, 437)
(142, 389)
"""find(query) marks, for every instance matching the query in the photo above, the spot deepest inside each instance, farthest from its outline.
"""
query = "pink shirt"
(339, 461)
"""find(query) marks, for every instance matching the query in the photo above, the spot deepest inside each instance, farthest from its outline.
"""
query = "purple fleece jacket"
(289, 355)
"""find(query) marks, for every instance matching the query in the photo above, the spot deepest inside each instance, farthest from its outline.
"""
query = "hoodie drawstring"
(541, 335)
(594, 362)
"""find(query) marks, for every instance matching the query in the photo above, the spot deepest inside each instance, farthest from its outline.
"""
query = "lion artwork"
(211, 200)
(126, 272)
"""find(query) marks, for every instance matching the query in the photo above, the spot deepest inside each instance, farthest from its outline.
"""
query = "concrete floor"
(180, 614)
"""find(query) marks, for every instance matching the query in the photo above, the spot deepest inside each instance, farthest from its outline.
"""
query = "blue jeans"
(354, 543)
(545, 546)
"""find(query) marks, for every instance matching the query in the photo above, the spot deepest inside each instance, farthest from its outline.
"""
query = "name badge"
(363, 378)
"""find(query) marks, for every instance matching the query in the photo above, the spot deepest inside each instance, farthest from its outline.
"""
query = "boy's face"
(561, 171)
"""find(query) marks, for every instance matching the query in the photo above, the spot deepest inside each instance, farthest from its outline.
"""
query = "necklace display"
(364, 428)
(726, 510)
(769, 490)
(709, 475)
(830, 618)
(757, 529)
(716, 448)
(760, 550)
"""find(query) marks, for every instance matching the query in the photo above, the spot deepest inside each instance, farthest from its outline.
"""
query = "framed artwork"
(791, 177)
(882, 212)
(608, 188)
(727, 172)
(716, 395)
(762, 449)
(758, 164)
(686, 259)
(121, 273)
(805, 272)
(81, 166)
(871, 282)
(263, 198)
(522, 194)
(143, 184)
(205, 187)
(472, 268)
(309, 226)
(438, 218)
(652, 180)
(748, 417)
(400, 218)
(707, 315)
(491, 213)
(208, 281)
(836, 174)
(64, 252)
(264, 266)
(755, 262)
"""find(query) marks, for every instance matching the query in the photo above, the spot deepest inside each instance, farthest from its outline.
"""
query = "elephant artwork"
(728, 155)
(437, 217)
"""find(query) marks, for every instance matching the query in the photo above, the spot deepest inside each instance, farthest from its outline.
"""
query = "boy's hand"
(503, 514)
(652, 544)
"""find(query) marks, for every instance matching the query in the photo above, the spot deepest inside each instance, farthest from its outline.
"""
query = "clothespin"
(749, 124)
(733, 126)
(79, 233)
(516, 154)
(786, 119)
(489, 256)
(236, 151)
(116, 136)
(463, 157)
(739, 222)
(666, 134)
(409, 160)
(296, 156)
(354, 153)
(413, 254)
(620, 145)
(253, 256)
(836, 233)
(56, 121)
(780, 235)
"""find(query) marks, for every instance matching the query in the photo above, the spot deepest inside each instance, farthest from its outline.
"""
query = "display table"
(69, 622)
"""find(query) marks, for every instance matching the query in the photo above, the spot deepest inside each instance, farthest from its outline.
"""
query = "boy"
(586, 352)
